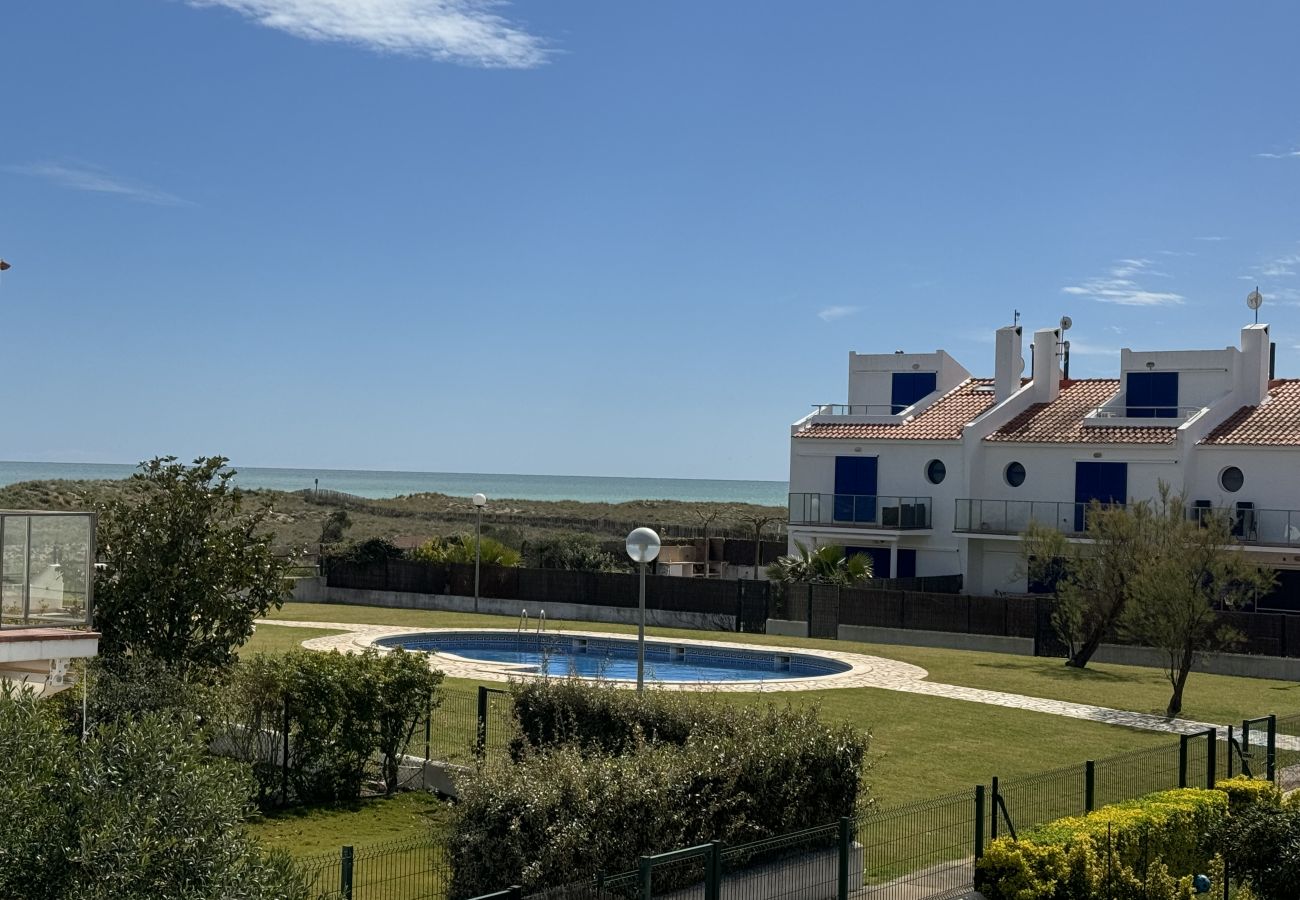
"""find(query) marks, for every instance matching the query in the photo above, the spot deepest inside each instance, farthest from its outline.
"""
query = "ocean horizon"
(379, 484)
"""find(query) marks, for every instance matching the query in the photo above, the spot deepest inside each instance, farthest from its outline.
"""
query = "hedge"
(603, 776)
(1146, 848)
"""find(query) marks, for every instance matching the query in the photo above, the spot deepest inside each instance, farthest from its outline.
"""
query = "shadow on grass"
(1059, 670)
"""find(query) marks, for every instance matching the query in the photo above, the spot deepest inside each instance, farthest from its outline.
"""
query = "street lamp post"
(642, 547)
(480, 501)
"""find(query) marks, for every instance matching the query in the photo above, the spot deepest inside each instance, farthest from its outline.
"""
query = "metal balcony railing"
(47, 565)
(1160, 413)
(861, 511)
(1267, 527)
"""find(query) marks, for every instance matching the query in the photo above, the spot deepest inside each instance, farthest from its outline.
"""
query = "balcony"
(47, 564)
(868, 511)
(1257, 527)
(1117, 413)
(1014, 516)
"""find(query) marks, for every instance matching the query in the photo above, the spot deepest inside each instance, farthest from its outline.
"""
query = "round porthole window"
(1014, 474)
(1231, 479)
(935, 471)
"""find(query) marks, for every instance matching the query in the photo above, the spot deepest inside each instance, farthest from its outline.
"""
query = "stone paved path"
(865, 671)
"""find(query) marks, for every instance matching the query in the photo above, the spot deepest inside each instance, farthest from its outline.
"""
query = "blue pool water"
(615, 659)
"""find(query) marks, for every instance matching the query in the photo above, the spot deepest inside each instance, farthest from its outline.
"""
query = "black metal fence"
(412, 869)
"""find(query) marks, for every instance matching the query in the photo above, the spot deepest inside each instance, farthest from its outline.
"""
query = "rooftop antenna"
(1066, 324)
(1255, 300)
(1015, 319)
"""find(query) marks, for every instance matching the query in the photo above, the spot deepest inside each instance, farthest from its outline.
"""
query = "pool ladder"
(523, 622)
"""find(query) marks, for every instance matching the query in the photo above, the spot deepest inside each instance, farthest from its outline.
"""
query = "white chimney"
(1008, 363)
(1253, 374)
(1047, 370)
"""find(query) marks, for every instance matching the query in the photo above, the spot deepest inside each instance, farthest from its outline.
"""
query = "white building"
(46, 595)
(934, 472)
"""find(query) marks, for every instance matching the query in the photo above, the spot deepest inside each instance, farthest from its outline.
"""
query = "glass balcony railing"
(861, 511)
(1014, 516)
(47, 564)
(1268, 527)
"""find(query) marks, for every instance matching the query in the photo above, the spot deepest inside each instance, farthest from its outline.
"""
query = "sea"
(585, 488)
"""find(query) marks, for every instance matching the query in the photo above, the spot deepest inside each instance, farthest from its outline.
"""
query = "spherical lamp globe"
(480, 500)
(643, 545)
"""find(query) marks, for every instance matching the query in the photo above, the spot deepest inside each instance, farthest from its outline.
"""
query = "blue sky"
(607, 238)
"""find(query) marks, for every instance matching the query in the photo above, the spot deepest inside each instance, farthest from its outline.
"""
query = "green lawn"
(1217, 698)
(317, 830)
(279, 639)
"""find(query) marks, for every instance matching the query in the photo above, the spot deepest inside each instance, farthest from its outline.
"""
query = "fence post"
(1270, 755)
(713, 873)
(1182, 760)
(284, 752)
(1211, 769)
(1243, 731)
(428, 727)
(645, 871)
(1089, 785)
(979, 820)
(993, 809)
(480, 739)
(846, 840)
(345, 873)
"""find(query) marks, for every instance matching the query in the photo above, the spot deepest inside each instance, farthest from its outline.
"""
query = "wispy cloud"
(1282, 267)
(1120, 286)
(468, 32)
(831, 313)
(1212, 237)
(1285, 154)
(81, 177)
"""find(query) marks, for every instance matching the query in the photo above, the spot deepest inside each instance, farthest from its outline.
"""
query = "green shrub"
(1262, 844)
(1243, 792)
(603, 776)
(1124, 850)
(138, 810)
(343, 711)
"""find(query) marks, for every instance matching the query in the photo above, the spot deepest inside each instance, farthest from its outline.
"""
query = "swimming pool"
(614, 659)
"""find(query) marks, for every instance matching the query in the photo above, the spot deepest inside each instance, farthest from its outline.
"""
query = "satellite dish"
(1255, 299)
(1066, 323)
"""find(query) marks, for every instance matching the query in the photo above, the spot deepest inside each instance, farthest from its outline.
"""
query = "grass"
(316, 830)
(921, 746)
(1216, 698)
(280, 639)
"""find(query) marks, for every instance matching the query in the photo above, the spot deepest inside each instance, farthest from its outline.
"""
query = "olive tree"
(1092, 579)
(185, 568)
(1191, 572)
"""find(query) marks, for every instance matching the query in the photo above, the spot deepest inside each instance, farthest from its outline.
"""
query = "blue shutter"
(855, 489)
(1151, 395)
(906, 563)
(1104, 481)
(908, 387)
(879, 559)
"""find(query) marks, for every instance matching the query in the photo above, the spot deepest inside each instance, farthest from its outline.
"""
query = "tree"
(706, 515)
(825, 565)
(758, 522)
(1176, 592)
(1092, 580)
(572, 552)
(336, 525)
(185, 569)
(371, 550)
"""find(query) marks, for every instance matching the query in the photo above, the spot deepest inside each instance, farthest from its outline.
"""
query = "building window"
(935, 471)
(1231, 479)
(1014, 474)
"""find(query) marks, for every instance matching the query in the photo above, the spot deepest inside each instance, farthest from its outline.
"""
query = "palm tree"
(825, 565)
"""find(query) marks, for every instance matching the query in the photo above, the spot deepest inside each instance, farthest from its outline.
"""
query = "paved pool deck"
(864, 672)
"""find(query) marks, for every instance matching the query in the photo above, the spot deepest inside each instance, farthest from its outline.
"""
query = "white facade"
(1014, 449)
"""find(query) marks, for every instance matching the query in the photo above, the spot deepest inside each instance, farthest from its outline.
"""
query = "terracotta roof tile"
(943, 420)
(1061, 422)
(1275, 422)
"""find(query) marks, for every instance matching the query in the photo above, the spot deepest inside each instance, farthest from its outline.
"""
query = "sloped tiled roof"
(943, 420)
(1061, 422)
(1273, 423)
